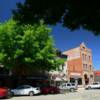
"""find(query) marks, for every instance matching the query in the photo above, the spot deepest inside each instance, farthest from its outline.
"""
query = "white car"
(95, 85)
(25, 90)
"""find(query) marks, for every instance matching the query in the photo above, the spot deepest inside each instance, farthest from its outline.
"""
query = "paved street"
(80, 95)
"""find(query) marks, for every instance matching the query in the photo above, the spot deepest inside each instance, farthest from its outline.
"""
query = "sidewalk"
(81, 89)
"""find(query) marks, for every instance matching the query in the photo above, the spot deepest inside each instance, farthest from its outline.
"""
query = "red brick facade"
(97, 76)
(74, 66)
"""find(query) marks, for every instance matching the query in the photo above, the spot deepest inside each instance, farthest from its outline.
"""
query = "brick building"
(79, 64)
(97, 76)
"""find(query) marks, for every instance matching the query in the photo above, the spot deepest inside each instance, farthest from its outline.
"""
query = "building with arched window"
(79, 64)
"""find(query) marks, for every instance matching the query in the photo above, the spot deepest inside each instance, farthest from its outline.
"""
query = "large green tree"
(73, 14)
(27, 49)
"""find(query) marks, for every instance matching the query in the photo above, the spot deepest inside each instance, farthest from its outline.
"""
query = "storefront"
(11, 81)
(57, 79)
(76, 78)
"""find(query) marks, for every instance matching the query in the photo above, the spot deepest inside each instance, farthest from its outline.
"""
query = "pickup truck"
(95, 85)
(68, 87)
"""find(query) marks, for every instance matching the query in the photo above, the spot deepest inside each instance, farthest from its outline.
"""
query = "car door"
(95, 85)
(27, 89)
(19, 90)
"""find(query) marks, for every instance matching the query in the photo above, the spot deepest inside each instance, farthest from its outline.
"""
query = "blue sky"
(63, 37)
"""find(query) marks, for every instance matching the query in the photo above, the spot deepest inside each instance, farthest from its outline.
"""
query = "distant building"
(79, 65)
(97, 76)
(59, 76)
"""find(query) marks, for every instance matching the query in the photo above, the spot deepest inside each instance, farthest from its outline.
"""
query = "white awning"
(58, 79)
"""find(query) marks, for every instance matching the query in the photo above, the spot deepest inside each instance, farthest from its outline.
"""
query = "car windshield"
(68, 84)
(73, 84)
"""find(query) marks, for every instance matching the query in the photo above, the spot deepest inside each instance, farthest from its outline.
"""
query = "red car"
(4, 92)
(49, 90)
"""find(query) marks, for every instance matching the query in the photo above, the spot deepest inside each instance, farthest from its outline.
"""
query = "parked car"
(4, 92)
(68, 87)
(95, 85)
(25, 90)
(49, 90)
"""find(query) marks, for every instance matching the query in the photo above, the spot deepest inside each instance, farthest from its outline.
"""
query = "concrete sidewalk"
(81, 89)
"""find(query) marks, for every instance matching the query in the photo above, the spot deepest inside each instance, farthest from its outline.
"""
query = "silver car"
(25, 90)
(68, 86)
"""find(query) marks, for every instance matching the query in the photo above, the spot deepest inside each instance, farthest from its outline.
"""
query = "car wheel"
(72, 90)
(89, 88)
(10, 94)
(31, 93)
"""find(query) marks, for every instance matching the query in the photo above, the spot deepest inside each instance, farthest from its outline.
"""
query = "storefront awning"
(75, 76)
(58, 79)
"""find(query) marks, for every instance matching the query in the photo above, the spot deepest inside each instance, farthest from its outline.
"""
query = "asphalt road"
(80, 95)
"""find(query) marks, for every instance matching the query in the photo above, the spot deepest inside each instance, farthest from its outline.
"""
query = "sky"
(64, 39)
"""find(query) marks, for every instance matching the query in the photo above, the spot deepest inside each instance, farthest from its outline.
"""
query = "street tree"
(73, 14)
(27, 49)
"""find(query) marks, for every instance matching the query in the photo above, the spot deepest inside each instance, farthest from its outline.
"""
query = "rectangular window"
(90, 67)
(85, 66)
(83, 57)
(89, 58)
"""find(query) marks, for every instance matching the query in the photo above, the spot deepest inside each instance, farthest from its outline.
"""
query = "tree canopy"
(27, 48)
(73, 14)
